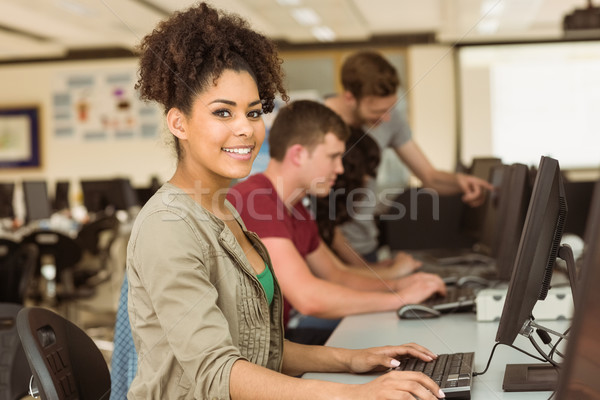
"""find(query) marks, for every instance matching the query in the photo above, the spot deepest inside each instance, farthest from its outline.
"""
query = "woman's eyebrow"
(233, 103)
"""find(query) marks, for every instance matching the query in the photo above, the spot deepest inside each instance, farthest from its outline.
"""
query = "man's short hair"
(368, 73)
(304, 122)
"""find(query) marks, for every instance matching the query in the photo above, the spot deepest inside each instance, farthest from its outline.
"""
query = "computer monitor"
(513, 201)
(100, 195)
(37, 204)
(537, 251)
(490, 220)
(7, 190)
(579, 195)
(474, 218)
(61, 196)
(580, 372)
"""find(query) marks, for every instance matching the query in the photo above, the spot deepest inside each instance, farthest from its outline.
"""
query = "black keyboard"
(458, 298)
(452, 372)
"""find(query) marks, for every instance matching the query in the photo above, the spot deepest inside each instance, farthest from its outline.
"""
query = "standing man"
(369, 100)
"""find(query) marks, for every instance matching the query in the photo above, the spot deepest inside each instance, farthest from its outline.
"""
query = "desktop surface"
(448, 334)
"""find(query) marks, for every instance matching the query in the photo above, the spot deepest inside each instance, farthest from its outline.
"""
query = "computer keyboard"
(458, 298)
(452, 372)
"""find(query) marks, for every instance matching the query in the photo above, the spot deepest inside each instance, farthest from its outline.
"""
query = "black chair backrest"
(64, 360)
(65, 250)
(7, 246)
(16, 271)
(14, 369)
(88, 237)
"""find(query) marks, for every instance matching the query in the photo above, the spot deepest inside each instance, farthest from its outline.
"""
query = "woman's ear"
(175, 119)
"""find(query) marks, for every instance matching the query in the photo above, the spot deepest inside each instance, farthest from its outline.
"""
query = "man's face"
(323, 164)
(373, 110)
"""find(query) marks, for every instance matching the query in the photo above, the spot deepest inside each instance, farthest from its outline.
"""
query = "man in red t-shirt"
(306, 144)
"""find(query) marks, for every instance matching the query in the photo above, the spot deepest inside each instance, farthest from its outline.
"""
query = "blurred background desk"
(448, 334)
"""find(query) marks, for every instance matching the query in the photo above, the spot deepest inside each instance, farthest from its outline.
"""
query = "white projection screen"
(519, 102)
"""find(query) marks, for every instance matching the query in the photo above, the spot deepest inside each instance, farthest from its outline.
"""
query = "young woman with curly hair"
(205, 309)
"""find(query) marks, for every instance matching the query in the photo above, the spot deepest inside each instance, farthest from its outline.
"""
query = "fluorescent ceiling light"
(488, 26)
(306, 16)
(76, 8)
(323, 33)
(292, 3)
(492, 8)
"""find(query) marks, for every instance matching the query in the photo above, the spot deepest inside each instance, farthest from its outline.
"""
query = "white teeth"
(238, 151)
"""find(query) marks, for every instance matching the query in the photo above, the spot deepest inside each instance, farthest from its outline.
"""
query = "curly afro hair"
(190, 50)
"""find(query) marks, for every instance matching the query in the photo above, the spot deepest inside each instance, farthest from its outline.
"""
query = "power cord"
(511, 346)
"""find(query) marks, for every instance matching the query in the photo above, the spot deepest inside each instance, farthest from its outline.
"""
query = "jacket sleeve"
(171, 259)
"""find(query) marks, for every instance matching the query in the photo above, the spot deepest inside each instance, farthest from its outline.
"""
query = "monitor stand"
(539, 377)
(530, 377)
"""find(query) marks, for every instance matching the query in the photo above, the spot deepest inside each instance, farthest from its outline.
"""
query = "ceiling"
(51, 29)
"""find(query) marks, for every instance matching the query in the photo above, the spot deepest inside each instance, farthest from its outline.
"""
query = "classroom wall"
(431, 112)
(34, 84)
(432, 106)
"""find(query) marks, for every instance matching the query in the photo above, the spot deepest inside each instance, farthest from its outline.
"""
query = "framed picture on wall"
(19, 137)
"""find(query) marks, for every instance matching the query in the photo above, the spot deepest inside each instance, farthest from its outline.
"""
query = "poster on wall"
(102, 105)
(19, 137)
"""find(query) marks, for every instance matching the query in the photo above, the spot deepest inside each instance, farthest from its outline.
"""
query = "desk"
(448, 334)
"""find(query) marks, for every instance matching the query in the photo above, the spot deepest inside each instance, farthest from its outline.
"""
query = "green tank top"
(266, 280)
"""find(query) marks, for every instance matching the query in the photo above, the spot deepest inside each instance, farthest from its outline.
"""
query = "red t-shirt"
(263, 212)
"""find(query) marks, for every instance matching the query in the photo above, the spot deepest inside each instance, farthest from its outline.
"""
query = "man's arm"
(402, 264)
(444, 183)
(316, 296)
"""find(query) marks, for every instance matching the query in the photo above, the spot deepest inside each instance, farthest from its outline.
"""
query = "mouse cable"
(511, 346)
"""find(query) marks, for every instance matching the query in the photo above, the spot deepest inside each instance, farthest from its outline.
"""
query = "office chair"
(17, 267)
(96, 239)
(64, 360)
(14, 369)
(57, 256)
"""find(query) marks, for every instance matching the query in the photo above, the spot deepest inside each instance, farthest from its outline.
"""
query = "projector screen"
(519, 102)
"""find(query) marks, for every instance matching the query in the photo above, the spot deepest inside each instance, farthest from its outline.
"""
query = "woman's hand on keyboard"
(382, 358)
(403, 385)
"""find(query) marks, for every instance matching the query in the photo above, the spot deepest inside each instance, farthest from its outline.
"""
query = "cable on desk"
(511, 346)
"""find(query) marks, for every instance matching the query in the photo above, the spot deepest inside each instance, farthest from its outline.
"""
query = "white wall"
(137, 159)
(432, 112)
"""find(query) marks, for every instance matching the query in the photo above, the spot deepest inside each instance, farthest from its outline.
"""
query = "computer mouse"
(417, 311)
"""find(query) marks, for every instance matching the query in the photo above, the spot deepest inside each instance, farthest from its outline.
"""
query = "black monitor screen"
(7, 190)
(37, 204)
(513, 200)
(473, 222)
(537, 251)
(61, 196)
(579, 376)
(579, 194)
(490, 220)
(98, 195)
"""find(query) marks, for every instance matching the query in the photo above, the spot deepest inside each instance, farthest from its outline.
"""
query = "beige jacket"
(195, 304)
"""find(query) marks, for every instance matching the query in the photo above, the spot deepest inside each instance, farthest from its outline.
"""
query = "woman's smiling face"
(225, 130)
